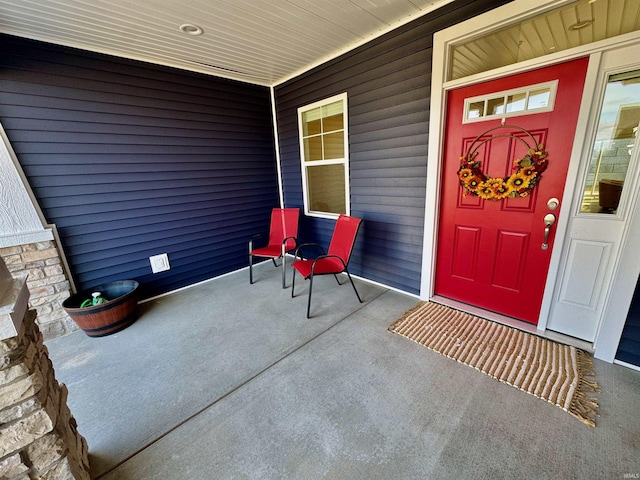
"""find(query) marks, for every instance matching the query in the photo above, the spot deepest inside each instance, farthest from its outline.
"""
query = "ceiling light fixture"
(191, 29)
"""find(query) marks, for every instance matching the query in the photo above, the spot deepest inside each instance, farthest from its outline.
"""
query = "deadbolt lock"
(553, 203)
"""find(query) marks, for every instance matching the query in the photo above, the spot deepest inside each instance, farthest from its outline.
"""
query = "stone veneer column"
(38, 435)
(47, 282)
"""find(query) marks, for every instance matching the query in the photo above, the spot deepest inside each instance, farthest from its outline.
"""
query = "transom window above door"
(523, 101)
(324, 154)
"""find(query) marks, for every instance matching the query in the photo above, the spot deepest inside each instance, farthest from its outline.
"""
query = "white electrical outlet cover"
(159, 263)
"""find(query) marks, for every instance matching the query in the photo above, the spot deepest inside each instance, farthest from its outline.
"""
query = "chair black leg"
(284, 272)
(337, 279)
(354, 286)
(251, 269)
(293, 281)
(274, 262)
(309, 301)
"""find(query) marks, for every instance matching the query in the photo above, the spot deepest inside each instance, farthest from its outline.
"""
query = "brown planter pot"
(106, 318)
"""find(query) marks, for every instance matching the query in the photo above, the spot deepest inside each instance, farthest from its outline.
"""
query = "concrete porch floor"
(227, 380)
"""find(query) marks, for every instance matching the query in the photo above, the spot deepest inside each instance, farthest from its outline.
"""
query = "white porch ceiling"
(259, 41)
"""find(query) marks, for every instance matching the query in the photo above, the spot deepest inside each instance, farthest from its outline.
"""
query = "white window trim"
(340, 161)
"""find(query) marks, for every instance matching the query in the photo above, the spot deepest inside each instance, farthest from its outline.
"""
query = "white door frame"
(477, 26)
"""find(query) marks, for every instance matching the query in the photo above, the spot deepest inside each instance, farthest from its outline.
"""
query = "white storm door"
(604, 201)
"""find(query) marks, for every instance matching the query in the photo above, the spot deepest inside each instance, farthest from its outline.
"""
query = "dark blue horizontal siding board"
(134, 117)
(226, 218)
(181, 166)
(388, 85)
(156, 196)
(629, 347)
(80, 70)
(131, 160)
(135, 126)
(143, 208)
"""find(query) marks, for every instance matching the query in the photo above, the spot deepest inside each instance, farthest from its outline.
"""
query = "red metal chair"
(334, 261)
(282, 239)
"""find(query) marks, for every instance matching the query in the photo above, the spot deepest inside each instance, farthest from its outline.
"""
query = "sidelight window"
(612, 157)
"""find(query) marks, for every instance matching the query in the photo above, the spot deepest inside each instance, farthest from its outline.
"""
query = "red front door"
(490, 251)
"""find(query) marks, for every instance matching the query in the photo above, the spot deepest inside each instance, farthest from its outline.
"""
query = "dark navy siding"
(629, 347)
(131, 160)
(388, 85)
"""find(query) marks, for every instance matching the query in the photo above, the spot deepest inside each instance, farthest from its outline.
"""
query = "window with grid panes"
(324, 155)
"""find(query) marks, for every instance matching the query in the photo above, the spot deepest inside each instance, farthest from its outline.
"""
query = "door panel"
(509, 265)
(582, 283)
(489, 252)
(465, 251)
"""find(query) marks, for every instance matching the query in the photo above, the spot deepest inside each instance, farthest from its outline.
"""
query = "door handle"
(549, 219)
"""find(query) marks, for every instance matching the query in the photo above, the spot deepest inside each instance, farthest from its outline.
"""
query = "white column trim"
(21, 220)
(276, 144)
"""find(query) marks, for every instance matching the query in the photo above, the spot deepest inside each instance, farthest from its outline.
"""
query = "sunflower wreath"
(527, 170)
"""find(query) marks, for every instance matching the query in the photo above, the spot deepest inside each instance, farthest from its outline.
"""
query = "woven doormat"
(549, 370)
